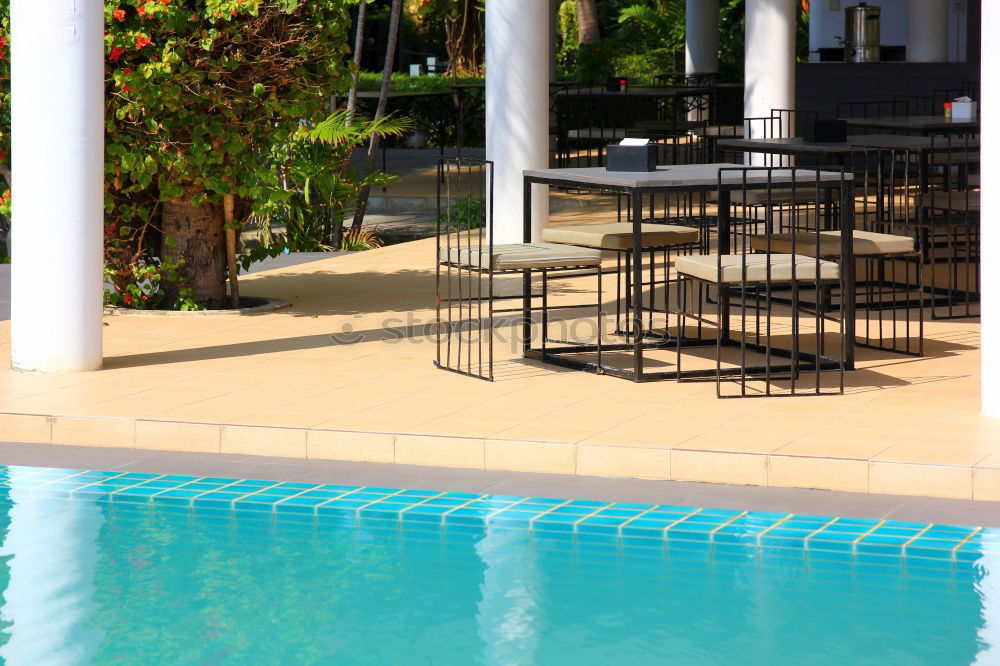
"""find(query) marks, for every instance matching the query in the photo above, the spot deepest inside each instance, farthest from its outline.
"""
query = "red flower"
(116, 53)
(142, 11)
(145, 298)
(6, 195)
(142, 40)
(164, 2)
(112, 229)
(128, 298)
(125, 88)
(119, 14)
(127, 70)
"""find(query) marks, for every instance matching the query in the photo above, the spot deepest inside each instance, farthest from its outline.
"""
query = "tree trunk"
(359, 44)
(200, 241)
(586, 15)
(228, 209)
(383, 98)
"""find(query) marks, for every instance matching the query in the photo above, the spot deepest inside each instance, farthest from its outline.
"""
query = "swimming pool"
(112, 568)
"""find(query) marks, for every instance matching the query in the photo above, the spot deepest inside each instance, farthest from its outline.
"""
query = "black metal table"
(919, 125)
(683, 179)
(834, 154)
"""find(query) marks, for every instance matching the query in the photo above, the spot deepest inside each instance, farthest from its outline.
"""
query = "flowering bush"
(199, 93)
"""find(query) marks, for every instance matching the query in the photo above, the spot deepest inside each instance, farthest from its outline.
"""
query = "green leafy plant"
(150, 285)
(317, 187)
(466, 213)
(201, 98)
(359, 239)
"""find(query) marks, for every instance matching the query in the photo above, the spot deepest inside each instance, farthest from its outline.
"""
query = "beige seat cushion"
(706, 267)
(955, 202)
(522, 255)
(865, 243)
(618, 236)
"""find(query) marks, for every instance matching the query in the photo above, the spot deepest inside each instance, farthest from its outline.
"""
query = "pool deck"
(346, 374)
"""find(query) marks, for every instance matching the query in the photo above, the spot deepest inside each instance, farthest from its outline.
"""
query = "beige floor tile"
(27, 428)
(843, 445)
(526, 456)
(74, 431)
(716, 467)
(263, 441)
(913, 479)
(986, 484)
(623, 461)
(351, 446)
(440, 451)
(941, 454)
(823, 473)
(177, 436)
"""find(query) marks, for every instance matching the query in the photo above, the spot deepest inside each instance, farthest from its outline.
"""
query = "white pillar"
(769, 56)
(57, 93)
(927, 30)
(701, 43)
(517, 110)
(990, 234)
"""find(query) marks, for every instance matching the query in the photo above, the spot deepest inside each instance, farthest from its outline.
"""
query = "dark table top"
(795, 145)
(918, 123)
(683, 177)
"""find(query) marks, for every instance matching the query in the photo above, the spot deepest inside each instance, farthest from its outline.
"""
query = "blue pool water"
(106, 568)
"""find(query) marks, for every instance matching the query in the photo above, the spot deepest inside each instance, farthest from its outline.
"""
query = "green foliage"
(155, 284)
(569, 36)
(360, 239)
(317, 188)
(659, 26)
(465, 213)
(202, 97)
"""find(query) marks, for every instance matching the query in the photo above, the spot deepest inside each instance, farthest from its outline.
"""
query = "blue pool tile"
(341, 505)
(948, 532)
(645, 527)
(886, 544)
(443, 501)
(554, 522)
(468, 516)
(832, 541)
(385, 509)
(421, 514)
(176, 496)
(513, 518)
(618, 511)
(299, 504)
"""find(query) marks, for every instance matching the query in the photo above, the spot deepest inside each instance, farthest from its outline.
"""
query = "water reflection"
(88, 581)
(50, 556)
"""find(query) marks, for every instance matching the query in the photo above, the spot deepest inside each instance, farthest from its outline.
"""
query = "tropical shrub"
(317, 187)
(201, 98)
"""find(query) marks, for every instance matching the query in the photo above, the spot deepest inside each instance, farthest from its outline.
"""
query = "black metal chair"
(468, 261)
(949, 220)
(889, 290)
(761, 336)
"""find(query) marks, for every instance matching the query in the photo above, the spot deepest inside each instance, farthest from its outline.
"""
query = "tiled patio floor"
(346, 374)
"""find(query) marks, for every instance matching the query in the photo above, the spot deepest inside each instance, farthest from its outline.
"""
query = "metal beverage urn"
(862, 28)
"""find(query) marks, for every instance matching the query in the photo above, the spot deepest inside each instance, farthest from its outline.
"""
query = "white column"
(701, 43)
(57, 93)
(927, 30)
(769, 56)
(517, 110)
(990, 234)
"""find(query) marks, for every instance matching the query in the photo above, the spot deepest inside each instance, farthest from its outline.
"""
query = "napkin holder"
(631, 158)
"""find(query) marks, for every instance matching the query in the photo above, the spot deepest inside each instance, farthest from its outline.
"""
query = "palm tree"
(390, 56)
(586, 13)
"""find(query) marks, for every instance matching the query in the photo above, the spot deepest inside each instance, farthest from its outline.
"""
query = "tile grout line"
(855, 542)
(805, 542)
(954, 551)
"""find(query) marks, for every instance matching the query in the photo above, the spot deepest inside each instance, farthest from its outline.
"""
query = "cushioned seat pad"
(865, 243)
(706, 267)
(618, 236)
(521, 256)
